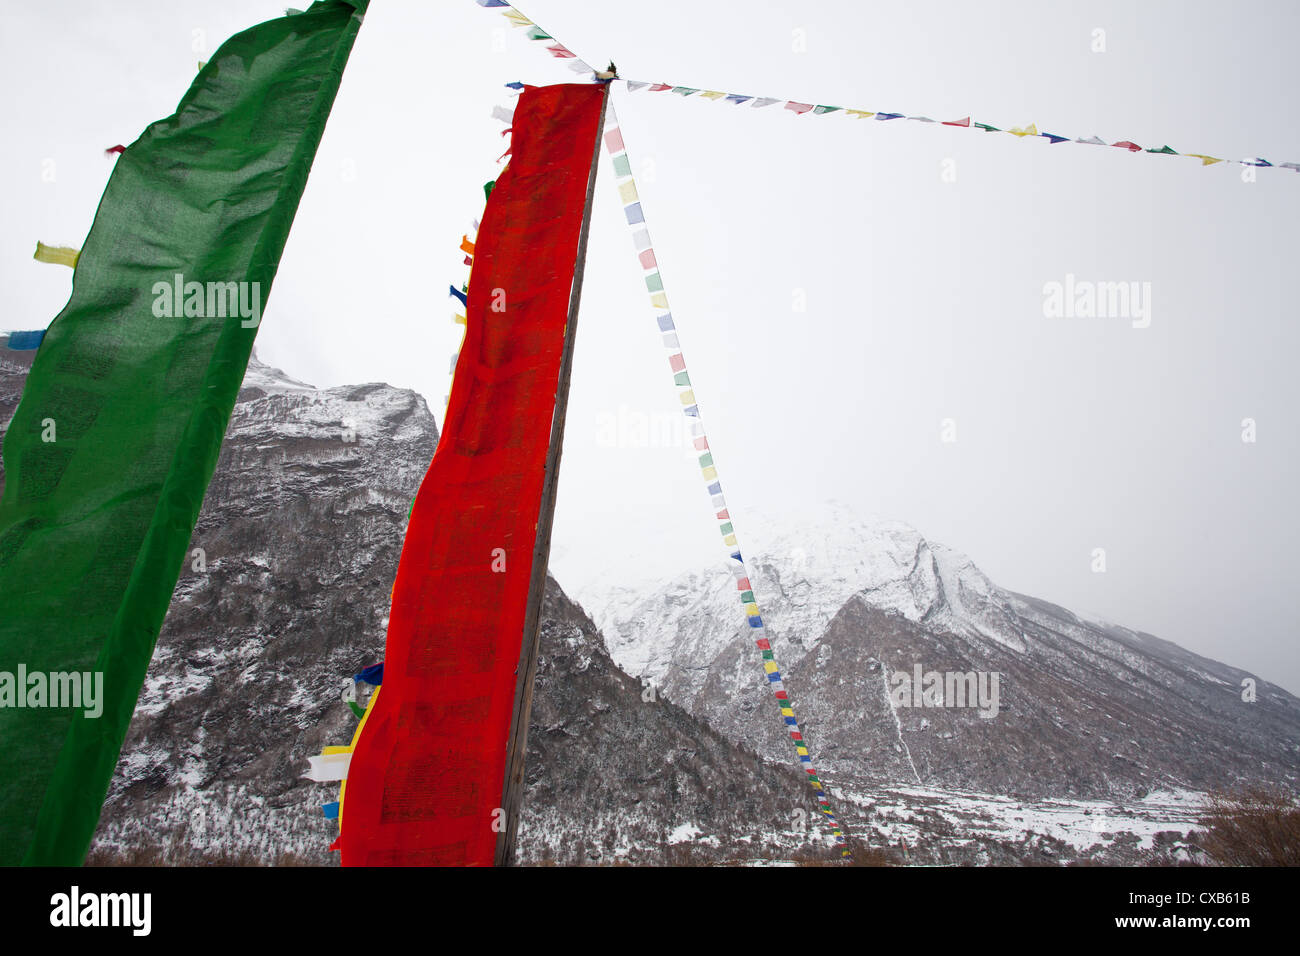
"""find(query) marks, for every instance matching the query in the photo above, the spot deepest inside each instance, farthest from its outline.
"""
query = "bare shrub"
(1254, 827)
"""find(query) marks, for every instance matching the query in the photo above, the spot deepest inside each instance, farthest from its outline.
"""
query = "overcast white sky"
(924, 298)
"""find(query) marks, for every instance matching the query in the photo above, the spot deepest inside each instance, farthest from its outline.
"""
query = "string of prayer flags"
(1030, 131)
(467, 246)
(333, 763)
(536, 33)
(649, 262)
(800, 108)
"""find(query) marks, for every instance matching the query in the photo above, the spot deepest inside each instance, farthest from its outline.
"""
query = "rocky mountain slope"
(1085, 710)
(13, 372)
(285, 595)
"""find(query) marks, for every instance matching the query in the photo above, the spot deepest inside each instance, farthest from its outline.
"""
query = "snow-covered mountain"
(1099, 735)
(808, 575)
(285, 595)
(1085, 710)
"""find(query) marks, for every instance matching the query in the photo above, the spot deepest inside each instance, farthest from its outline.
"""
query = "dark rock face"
(285, 595)
(613, 769)
(1083, 711)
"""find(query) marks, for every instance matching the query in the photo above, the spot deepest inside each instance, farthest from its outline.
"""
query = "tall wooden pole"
(513, 792)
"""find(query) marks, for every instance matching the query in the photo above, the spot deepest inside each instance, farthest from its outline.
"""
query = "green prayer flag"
(622, 168)
(819, 110)
(681, 378)
(987, 128)
(654, 282)
(111, 449)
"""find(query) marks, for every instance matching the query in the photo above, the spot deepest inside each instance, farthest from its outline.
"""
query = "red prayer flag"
(429, 766)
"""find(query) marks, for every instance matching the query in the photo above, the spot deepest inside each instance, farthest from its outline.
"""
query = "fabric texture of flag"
(94, 526)
(429, 764)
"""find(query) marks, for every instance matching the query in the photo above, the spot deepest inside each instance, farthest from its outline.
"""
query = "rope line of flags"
(632, 211)
(1021, 132)
(799, 108)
